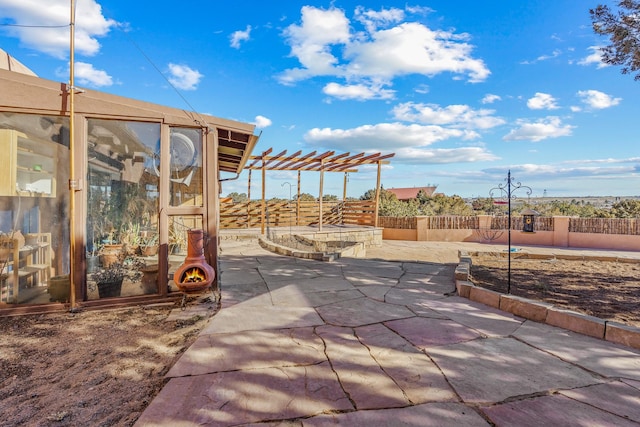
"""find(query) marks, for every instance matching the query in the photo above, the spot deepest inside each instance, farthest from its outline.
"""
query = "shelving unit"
(31, 165)
(29, 266)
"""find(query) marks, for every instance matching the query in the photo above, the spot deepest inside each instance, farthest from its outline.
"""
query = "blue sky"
(461, 91)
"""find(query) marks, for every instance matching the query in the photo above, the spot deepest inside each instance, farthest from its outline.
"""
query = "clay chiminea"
(194, 274)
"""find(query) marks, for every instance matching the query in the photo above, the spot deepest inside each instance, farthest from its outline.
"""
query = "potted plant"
(111, 253)
(130, 238)
(177, 239)
(99, 227)
(148, 243)
(109, 279)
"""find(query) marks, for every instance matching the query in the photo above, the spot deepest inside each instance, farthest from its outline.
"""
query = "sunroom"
(115, 193)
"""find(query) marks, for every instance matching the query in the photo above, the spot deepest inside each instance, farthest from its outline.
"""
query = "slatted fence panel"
(398, 222)
(452, 223)
(628, 226)
(359, 212)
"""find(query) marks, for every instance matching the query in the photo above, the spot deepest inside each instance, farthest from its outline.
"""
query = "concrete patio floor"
(383, 341)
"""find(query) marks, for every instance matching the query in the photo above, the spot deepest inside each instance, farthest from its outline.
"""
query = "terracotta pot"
(149, 250)
(110, 254)
(150, 279)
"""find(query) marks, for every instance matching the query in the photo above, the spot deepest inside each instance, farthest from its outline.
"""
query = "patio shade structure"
(328, 161)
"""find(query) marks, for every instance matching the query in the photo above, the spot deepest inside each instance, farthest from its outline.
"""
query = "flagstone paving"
(372, 342)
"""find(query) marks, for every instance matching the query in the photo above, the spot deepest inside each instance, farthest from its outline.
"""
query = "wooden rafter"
(327, 161)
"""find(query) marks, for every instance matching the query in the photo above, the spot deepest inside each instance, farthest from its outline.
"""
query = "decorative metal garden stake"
(508, 189)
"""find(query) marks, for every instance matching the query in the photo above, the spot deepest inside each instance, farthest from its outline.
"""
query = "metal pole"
(508, 190)
(73, 185)
(509, 232)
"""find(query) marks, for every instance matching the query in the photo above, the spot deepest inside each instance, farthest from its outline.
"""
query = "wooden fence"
(625, 226)
(286, 213)
(628, 226)
(561, 231)
(399, 222)
(540, 223)
(430, 222)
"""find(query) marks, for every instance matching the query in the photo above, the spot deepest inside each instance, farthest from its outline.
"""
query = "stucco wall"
(559, 237)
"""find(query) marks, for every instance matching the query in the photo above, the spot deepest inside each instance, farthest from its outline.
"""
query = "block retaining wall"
(542, 312)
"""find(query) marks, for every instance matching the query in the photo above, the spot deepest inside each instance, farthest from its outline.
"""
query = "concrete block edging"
(542, 312)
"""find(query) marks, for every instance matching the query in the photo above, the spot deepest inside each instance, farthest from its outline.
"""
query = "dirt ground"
(607, 290)
(94, 368)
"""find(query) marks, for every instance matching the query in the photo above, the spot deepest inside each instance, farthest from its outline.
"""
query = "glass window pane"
(34, 208)
(122, 207)
(185, 147)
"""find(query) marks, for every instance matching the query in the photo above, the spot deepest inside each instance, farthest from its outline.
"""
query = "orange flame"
(194, 274)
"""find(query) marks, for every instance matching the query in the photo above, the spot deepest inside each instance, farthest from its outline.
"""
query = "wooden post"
(263, 210)
(344, 197)
(249, 200)
(298, 201)
(375, 218)
(320, 197)
(344, 187)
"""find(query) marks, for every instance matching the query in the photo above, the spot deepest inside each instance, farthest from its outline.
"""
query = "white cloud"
(410, 143)
(542, 101)
(262, 122)
(89, 76)
(90, 24)
(240, 36)
(443, 155)
(549, 127)
(183, 77)
(595, 57)
(412, 48)
(311, 43)
(325, 45)
(359, 92)
(597, 100)
(422, 89)
(634, 160)
(384, 136)
(459, 116)
(554, 54)
(490, 98)
(372, 19)
(555, 171)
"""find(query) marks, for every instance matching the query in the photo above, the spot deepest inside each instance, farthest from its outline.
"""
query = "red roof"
(411, 193)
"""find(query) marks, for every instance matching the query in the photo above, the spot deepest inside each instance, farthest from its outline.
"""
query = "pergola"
(325, 162)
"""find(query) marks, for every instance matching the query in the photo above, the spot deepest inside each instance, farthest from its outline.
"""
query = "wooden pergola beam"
(295, 160)
(325, 162)
(287, 159)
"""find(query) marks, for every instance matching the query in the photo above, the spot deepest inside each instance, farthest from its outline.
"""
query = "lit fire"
(194, 274)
